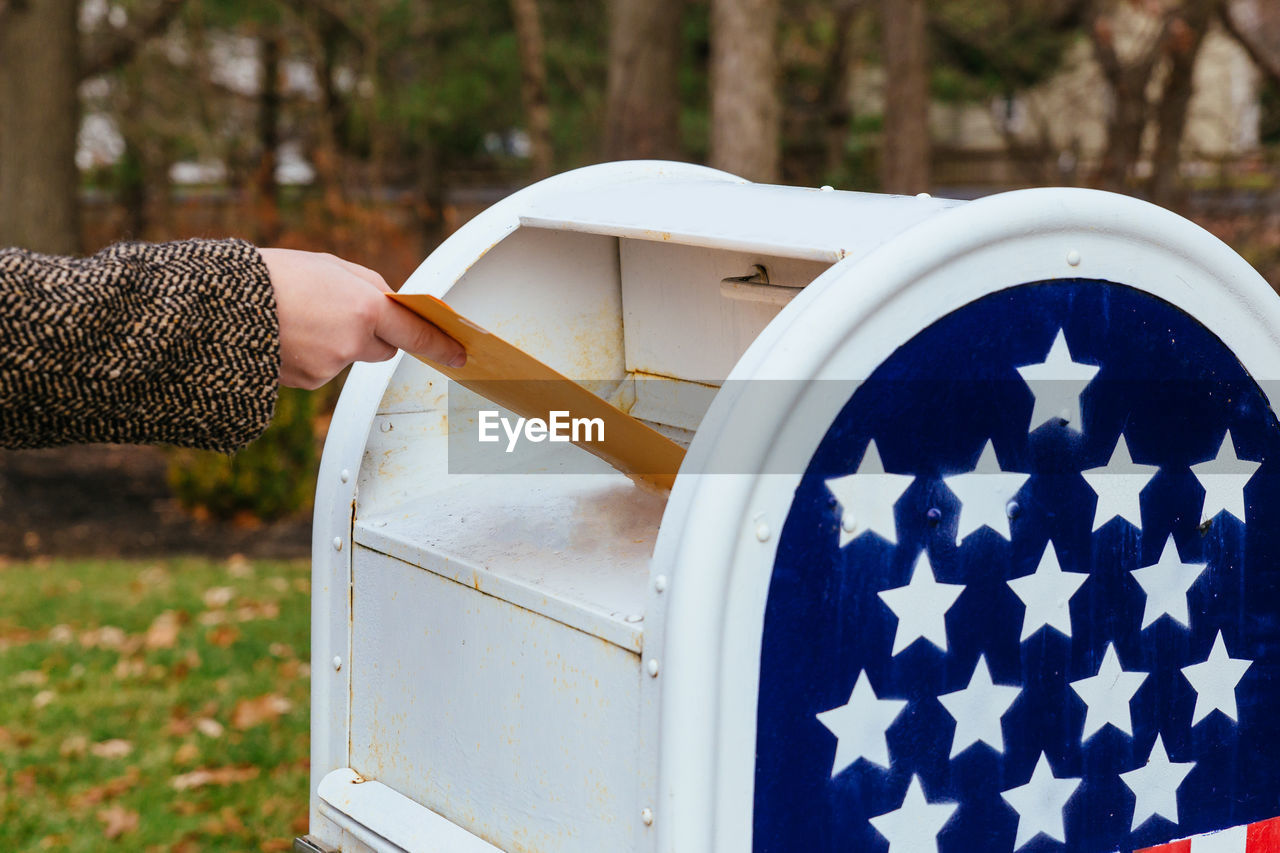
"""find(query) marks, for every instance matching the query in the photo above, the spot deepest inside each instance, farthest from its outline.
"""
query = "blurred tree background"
(374, 128)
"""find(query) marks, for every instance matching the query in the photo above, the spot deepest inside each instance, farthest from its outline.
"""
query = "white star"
(1166, 584)
(1047, 595)
(1224, 478)
(1108, 694)
(977, 710)
(1040, 803)
(921, 606)
(860, 725)
(1118, 485)
(1155, 785)
(867, 498)
(984, 494)
(1215, 682)
(914, 826)
(1057, 383)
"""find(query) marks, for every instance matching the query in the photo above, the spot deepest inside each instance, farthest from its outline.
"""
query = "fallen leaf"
(238, 566)
(163, 632)
(218, 596)
(203, 776)
(74, 746)
(114, 748)
(226, 823)
(186, 754)
(117, 821)
(108, 790)
(61, 634)
(223, 635)
(31, 678)
(251, 712)
(106, 637)
(44, 697)
(209, 727)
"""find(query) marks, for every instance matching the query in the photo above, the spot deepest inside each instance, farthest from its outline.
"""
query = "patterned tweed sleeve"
(174, 343)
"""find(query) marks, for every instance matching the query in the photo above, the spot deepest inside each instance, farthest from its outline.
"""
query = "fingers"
(365, 273)
(400, 327)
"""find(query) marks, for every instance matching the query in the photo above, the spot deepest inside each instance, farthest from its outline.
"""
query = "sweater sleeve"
(174, 343)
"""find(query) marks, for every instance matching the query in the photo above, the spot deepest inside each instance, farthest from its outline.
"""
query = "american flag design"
(1027, 597)
(1262, 837)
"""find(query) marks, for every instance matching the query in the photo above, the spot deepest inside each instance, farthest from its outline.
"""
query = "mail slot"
(974, 546)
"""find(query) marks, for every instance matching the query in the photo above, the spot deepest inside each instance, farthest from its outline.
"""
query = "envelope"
(503, 373)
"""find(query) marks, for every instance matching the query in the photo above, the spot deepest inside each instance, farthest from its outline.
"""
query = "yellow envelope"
(515, 380)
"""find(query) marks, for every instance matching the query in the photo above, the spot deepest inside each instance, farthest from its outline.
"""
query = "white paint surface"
(860, 725)
(984, 494)
(1155, 785)
(1046, 593)
(921, 606)
(1119, 485)
(978, 710)
(1040, 803)
(913, 827)
(1108, 695)
(1224, 478)
(1057, 383)
(867, 498)
(1166, 584)
(1215, 682)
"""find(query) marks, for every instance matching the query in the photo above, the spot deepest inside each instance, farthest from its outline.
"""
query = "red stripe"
(1183, 846)
(1264, 837)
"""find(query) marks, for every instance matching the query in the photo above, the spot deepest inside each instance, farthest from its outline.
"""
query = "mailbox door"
(997, 570)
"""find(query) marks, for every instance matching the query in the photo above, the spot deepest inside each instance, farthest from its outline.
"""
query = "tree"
(642, 106)
(1256, 26)
(1136, 98)
(904, 153)
(745, 108)
(41, 67)
(39, 120)
(533, 84)
(1186, 34)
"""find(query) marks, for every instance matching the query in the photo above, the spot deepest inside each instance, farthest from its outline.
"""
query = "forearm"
(173, 343)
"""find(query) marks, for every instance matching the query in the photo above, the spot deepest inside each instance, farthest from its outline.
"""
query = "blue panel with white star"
(1027, 596)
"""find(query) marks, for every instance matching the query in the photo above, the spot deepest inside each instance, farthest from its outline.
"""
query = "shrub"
(272, 477)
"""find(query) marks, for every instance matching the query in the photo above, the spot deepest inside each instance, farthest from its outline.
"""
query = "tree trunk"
(1171, 112)
(39, 121)
(745, 108)
(265, 189)
(837, 109)
(533, 85)
(904, 153)
(642, 109)
(1128, 119)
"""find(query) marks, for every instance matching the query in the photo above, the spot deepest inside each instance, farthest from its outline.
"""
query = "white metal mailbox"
(974, 547)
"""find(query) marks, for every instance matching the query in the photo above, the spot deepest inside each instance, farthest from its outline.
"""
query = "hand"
(333, 312)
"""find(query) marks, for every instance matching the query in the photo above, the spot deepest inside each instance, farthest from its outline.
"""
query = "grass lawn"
(153, 705)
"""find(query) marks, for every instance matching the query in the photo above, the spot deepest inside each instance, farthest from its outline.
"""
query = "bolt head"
(337, 663)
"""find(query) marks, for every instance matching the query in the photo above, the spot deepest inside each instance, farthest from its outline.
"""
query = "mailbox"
(976, 545)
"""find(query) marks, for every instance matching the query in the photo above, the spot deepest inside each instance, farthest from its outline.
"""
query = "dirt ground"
(112, 501)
